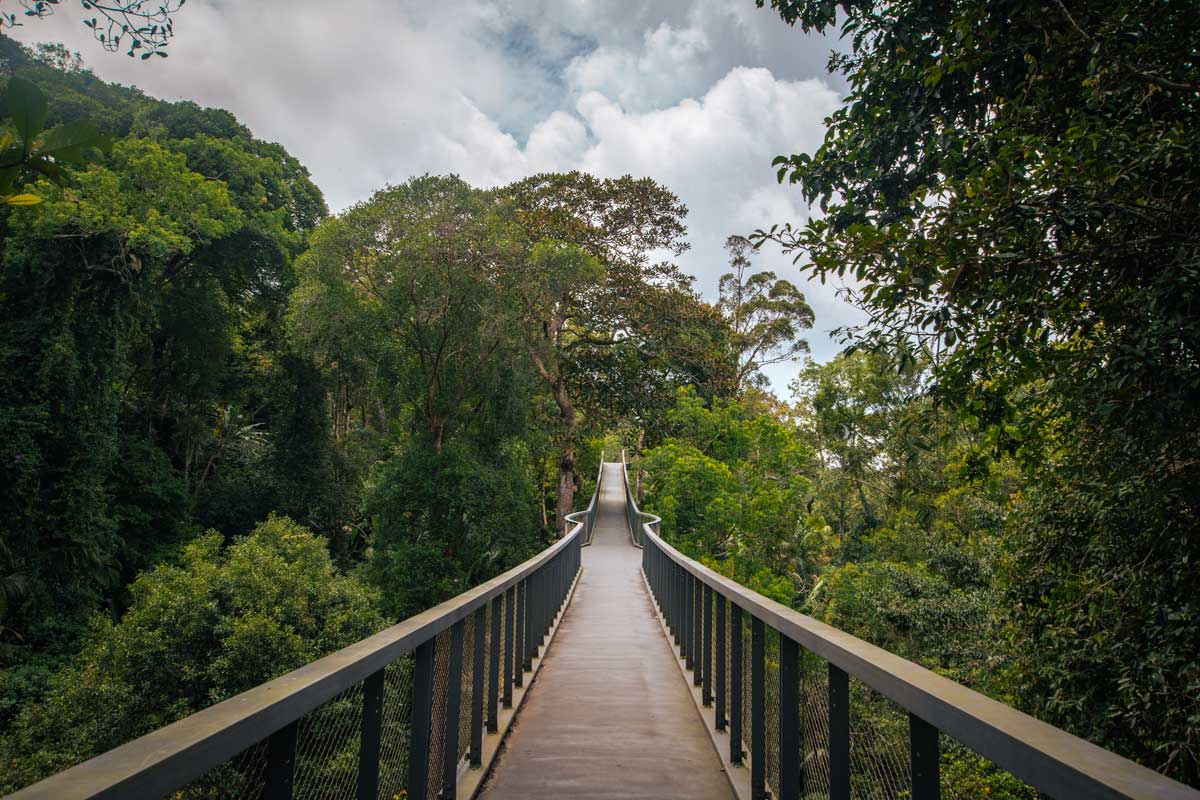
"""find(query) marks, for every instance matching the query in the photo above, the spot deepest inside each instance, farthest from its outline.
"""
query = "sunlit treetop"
(143, 27)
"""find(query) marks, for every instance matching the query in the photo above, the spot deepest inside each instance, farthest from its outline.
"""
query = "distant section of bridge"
(608, 665)
(610, 714)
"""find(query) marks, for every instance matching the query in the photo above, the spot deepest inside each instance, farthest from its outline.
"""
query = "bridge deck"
(609, 714)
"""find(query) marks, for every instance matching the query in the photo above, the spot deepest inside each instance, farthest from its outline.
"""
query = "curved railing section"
(413, 711)
(587, 517)
(634, 518)
(795, 700)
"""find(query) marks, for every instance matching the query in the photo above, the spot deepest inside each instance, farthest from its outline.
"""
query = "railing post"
(477, 668)
(453, 714)
(736, 694)
(706, 692)
(519, 666)
(925, 758)
(281, 763)
(689, 603)
(493, 699)
(758, 711)
(509, 645)
(681, 604)
(368, 746)
(719, 599)
(698, 631)
(839, 734)
(533, 625)
(422, 720)
(789, 719)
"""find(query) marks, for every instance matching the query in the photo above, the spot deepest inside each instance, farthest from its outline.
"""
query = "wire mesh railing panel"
(243, 777)
(879, 758)
(327, 745)
(441, 690)
(468, 684)
(814, 726)
(771, 699)
(396, 729)
(487, 660)
(966, 775)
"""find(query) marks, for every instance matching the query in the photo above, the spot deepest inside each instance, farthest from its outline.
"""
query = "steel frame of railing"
(532, 595)
(633, 517)
(589, 514)
(1050, 760)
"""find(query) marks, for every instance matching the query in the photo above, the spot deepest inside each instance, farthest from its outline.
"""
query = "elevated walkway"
(609, 714)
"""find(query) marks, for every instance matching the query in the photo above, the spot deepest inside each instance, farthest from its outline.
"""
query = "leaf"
(22, 200)
(69, 142)
(28, 108)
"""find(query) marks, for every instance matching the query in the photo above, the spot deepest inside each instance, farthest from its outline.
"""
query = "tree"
(765, 315)
(147, 25)
(589, 269)
(220, 622)
(417, 267)
(1013, 188)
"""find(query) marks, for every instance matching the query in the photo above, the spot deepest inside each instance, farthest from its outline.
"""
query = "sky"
(698, 94)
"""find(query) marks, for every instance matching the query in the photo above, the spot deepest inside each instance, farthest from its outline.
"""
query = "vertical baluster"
(758, 711)
(680, 609)
(520, 666)
(720, 676)
(839, 734)
(706, 692)
(493, 698)
(533, 625)
(453, 714)
(924, 756)
(509, 644)
(789, 719)
(477, 668)
(688, 611)
(281, 763)
(698, 631)
(422, 720)
(368, 743)
(735, 685)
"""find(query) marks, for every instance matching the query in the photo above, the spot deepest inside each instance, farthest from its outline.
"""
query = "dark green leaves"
(28, 108)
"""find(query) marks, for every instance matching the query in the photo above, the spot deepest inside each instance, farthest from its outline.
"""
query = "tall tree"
(589, 269)
(418, 266)
(765, 315)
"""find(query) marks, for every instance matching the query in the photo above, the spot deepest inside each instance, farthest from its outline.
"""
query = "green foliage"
(141, 305)
(445, 521)
(221, 621)
(1012, 188)
(730, 485)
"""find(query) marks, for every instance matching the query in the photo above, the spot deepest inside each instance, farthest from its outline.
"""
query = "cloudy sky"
(698, 94)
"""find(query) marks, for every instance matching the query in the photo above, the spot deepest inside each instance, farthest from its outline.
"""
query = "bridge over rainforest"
(609, 665)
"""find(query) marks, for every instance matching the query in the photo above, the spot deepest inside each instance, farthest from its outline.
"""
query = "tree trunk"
(567, 480)
(438, 429)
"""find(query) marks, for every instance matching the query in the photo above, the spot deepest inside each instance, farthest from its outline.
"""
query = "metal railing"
(407, 712)
(589, 514)
(634, 519)
(817, 712)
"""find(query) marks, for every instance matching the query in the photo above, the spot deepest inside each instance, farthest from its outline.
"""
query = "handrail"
(1051, 760)
(632, 514)
(169, 758)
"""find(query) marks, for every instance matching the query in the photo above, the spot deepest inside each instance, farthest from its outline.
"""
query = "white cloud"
(698, 94)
